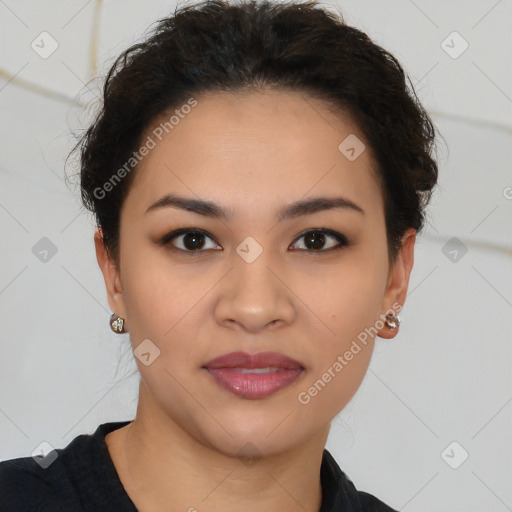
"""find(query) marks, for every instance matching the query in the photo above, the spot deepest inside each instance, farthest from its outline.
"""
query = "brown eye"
(195, 240)
(189, 240)
(315, 239)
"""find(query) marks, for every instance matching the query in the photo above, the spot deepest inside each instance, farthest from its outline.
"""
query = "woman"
(258, 173)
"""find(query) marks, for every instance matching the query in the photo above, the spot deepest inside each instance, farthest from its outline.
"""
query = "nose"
(255, 296)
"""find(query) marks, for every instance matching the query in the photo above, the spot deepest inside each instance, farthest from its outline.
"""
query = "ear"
(111, 275)
(398, 280)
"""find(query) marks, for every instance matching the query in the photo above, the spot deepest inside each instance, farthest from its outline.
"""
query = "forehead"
(253, 145)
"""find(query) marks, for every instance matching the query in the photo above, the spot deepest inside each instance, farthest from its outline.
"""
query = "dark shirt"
(83, 478)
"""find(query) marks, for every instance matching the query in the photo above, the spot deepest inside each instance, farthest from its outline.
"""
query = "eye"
(315, 238)
(192, 240)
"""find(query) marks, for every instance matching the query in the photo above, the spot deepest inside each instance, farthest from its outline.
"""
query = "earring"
(392, 321)
(117, 324)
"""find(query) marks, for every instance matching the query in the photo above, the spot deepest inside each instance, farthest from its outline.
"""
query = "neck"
(160, 463)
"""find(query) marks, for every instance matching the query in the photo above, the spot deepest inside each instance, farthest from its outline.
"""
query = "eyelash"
(340, 237)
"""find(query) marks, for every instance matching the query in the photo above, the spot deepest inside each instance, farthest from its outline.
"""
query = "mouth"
(254, 376)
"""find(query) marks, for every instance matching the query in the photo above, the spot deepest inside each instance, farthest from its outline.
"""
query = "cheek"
(346, 298)
(330, 390)
(343, 351)
(156, 292)
(349, 306)
(164, 305)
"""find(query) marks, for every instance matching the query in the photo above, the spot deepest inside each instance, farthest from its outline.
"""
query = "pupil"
(190, 241)
(317, 240)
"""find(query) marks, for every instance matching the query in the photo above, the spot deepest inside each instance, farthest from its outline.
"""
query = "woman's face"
(252, 281)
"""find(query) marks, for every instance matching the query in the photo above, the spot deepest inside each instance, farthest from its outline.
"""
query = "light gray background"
(446, 377)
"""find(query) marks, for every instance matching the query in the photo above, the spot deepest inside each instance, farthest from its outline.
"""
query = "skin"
(253, 153)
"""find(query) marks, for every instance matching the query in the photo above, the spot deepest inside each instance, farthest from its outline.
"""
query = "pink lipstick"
(254, 375)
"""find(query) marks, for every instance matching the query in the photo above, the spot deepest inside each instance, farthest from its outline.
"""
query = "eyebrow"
(293, 210)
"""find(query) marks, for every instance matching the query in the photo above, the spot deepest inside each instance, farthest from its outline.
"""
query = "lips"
(251, 361)
(253, 376)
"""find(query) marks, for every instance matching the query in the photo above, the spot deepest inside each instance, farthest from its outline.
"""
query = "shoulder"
(340, 492)
(25, 486)
(77, 477)
(370, 503)
(363, 501)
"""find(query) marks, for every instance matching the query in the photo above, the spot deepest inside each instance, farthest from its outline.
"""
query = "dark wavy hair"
(249, 45)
